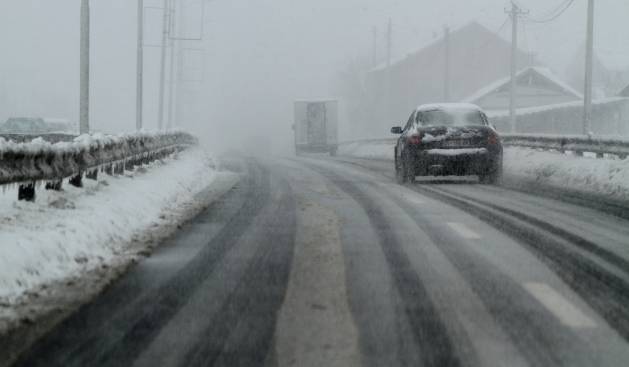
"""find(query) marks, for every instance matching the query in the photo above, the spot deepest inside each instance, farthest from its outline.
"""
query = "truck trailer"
(316, 126)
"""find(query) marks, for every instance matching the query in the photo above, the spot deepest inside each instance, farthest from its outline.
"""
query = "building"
(536, 86)
(450, 69)
(610, 72)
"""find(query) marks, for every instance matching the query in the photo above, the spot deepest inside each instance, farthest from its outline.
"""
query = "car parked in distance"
(448, 140)
(37, 125)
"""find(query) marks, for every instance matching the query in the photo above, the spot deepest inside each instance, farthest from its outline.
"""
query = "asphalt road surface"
(320, 262)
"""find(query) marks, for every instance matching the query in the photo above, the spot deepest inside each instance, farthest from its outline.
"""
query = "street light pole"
(162, 76)
(84, 102)
(172, 81)
(587, 108)
(140, 68)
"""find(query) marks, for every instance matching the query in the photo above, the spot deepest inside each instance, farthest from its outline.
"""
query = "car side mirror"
(396, 130)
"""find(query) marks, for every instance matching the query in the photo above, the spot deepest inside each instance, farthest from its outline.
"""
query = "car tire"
(494, 177)
(399, 174)
(404, 171)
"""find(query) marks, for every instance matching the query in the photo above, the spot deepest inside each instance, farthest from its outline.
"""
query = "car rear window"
(451, 118)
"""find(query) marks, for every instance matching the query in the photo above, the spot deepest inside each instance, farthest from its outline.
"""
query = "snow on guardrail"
(576, 143)
(30, 163)
(563, 143)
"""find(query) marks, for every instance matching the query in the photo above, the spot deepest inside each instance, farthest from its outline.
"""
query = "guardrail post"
(578, 153)
(600, 155)
(77, 181)
(92, 175)
(54, 185)
(26, 192)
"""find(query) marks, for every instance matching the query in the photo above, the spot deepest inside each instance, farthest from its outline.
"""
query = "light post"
(84, 99)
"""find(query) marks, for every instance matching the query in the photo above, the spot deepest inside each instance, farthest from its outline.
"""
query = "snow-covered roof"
(538, 109)
(544, 72)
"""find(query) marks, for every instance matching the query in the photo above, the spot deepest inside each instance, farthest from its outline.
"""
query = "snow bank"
(66, 233)
(608, 177)
(371, 150)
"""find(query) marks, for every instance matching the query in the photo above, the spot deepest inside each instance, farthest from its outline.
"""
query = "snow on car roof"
(448, 106)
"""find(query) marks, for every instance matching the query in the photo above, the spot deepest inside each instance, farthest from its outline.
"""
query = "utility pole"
(139, 105)
(446, 77)
(179, 87)
(514, 13)
(172, 81)
(389, 42)
(84, 103)
(374, 55)
(387, 105)
(162, 74)
(587, 110)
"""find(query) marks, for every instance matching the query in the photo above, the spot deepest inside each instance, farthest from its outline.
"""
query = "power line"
(553, 14)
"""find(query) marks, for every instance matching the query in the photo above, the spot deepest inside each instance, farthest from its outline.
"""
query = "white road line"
(565, 311)
(464, 231)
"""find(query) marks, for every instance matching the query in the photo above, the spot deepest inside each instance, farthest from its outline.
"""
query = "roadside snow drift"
(608, 177)
(66, 233)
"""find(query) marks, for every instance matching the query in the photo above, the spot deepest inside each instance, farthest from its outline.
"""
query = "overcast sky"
(259, 54)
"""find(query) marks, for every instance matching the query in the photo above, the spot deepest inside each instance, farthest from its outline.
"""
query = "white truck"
(316, 126)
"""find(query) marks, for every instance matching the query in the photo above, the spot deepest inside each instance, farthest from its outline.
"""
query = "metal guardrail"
(575, 143)
(27, 164)
(579, 144)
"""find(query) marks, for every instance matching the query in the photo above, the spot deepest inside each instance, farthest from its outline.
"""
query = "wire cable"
(554, 14)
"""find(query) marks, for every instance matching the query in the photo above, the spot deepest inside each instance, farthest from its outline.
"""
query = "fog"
(258, 56)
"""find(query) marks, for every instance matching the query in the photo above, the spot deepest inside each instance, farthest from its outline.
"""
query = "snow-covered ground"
(608, 177)
(106, 224)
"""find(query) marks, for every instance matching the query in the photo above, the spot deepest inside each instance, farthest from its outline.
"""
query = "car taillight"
(493, 139)
(415, 139)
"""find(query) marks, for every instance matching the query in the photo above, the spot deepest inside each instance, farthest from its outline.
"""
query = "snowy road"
(319, 262)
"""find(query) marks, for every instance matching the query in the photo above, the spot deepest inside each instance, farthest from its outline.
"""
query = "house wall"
(478, 57)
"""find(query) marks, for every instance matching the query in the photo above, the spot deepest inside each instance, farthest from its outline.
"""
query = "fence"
(41, 162)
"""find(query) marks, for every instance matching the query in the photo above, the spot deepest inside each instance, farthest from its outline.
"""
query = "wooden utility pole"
(589, 56)
(84, 103)
(515, 12)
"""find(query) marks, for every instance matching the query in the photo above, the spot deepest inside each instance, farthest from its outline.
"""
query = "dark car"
(448, 140)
